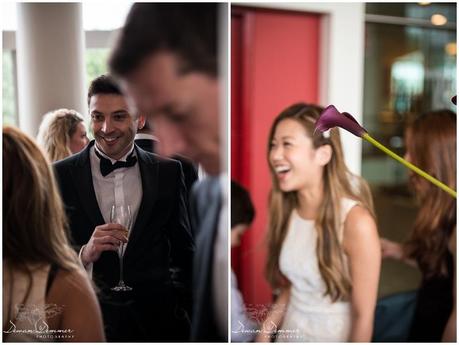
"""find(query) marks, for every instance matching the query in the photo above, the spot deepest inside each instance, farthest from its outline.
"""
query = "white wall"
(341, 62)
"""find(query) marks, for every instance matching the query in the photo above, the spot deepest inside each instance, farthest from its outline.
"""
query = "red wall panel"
(276, 57)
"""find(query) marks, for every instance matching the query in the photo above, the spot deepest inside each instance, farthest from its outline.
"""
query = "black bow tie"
(106, 166)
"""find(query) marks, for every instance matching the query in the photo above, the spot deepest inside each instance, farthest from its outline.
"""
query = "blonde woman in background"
(46, 294)
(62, 133)
(323, 246)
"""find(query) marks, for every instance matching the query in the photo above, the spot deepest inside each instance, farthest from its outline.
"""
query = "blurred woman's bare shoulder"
(72, 290)
(73, 283)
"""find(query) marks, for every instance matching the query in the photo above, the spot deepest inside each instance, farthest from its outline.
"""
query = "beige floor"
(396, 211)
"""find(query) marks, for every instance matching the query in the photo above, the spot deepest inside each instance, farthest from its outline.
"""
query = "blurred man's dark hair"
(242, 210)
(186, 29)
(104, 84)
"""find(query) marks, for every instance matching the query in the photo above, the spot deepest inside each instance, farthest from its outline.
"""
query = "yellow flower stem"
(414, 168)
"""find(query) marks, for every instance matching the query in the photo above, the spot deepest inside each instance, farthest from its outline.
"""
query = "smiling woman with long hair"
(323, 249)
(42, 279)
(431, 245)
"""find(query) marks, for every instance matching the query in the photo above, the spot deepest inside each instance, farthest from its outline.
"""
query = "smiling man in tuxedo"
(112, 170)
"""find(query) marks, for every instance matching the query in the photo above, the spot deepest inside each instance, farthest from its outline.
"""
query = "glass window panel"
(403, 77)
(413, 10)
(96, 63)
(8, 89)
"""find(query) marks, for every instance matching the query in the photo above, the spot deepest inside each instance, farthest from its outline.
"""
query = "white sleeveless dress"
(310, 316)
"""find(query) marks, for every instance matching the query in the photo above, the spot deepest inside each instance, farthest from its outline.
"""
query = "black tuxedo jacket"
(189, 170)
(159, 239)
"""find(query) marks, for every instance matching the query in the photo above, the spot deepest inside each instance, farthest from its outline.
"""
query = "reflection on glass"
(408, 70)
(413, 10)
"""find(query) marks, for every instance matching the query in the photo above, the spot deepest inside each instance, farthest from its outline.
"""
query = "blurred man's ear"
(142, 119)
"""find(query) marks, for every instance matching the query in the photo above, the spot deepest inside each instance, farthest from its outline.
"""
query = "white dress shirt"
(122, 186)
(146, 136)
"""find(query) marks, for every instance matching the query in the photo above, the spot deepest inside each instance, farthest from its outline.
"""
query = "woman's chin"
(286, 188)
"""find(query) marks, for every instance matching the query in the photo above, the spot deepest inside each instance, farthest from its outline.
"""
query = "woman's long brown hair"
(431, 145)
(339, 182)
(34, 221)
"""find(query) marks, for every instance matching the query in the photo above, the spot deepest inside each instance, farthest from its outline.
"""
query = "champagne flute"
(121, 214)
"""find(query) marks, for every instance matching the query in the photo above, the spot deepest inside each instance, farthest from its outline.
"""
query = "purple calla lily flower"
(454, 100)
(331, 117)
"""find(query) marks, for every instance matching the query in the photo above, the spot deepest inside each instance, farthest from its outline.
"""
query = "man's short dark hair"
(242, 210)
(186, 29)
(104, 84)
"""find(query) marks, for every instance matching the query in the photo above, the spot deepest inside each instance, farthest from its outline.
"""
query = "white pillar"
(50, 57)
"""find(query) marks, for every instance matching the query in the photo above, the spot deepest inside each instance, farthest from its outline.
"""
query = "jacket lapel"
(82, 178)
(149, 176)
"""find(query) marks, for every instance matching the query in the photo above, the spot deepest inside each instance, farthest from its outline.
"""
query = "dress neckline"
(297, 215)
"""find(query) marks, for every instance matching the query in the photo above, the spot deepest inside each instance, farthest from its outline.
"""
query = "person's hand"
(390, 249)
(105, 237)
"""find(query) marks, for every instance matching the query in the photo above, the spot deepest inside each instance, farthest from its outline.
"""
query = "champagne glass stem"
(121, 270)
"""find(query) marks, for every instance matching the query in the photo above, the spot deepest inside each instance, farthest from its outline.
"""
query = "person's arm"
(81, 314)
(394, 250)
(361, 244)
(449, 334)
(275, 317)
(89, 267)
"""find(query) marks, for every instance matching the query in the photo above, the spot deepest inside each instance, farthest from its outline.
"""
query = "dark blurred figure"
(431, 246)
(44, 287)
(243, 329)
(167, 60)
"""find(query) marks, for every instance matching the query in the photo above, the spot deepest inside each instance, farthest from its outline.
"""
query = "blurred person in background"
(62, 133)
(167, 60)
(44, 287)
(431, 246)
(243, 329)
(323, 245)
